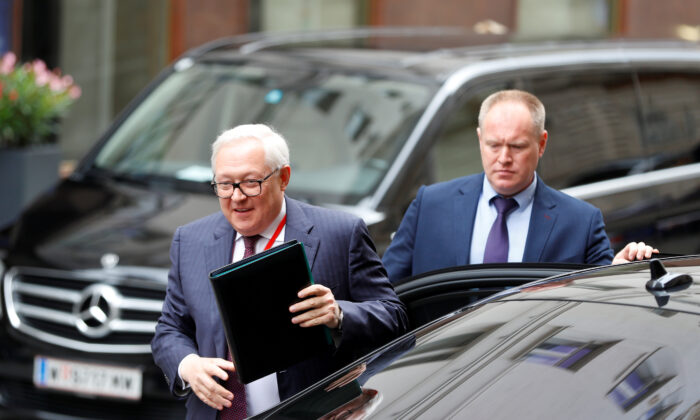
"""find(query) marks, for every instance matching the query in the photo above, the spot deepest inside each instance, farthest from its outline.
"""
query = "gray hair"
(533, 104)
(274, 145)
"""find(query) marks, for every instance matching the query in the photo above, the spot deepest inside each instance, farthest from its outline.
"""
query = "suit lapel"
(299, 227)
(464, 213)
(217, 254)
(544, 216)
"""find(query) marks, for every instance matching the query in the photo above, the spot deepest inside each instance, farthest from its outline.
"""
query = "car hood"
(96, 223)
(511, 357)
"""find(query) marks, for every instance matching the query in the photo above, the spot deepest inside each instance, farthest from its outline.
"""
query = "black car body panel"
(591, 344)
(430, 295)
(76, 224)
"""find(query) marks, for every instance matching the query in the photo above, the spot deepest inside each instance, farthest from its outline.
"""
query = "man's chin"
(243, 225)
(505, 189)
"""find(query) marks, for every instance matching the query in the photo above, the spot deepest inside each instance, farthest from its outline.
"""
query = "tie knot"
(250, 240)
(504, 205)
(249, 244)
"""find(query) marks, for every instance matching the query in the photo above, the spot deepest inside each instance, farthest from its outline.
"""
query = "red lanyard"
(276, 234)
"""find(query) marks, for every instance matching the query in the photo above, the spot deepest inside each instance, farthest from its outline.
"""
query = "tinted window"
(456, 150)
(593, 126)
(661, 210)
(670, 115)
(592, 120)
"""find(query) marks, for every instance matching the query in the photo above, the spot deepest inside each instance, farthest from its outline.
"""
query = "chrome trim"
(618, 55)
(2, 275)
(48, 292)
(273, 40)
(120, 325)
(183, 64)
(46, 314)
(145, 305)
(634, 182)
(7, 290)
(102, 323)
(91, 319)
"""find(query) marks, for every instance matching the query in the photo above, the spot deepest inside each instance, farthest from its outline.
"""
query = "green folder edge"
(326, 331)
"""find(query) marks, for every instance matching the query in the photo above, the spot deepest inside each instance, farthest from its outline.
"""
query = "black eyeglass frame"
(235, 185)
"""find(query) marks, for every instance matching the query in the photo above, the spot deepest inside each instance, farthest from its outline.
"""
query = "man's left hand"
(319, 305)
(634, 251)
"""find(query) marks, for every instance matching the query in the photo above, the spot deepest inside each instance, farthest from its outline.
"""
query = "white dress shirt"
(518, 222)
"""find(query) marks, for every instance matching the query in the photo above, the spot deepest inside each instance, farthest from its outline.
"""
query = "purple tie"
(238, 405)
(497, 242)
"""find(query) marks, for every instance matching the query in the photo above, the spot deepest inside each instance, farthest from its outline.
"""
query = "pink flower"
(7, 63)
(55, 84)
(38, 66)
(75, 92)
(42, 79)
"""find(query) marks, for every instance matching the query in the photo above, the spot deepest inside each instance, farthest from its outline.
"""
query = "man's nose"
(238, 195)
(504, 155)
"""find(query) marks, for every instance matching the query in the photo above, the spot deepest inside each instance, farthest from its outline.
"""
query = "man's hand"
(320, 306)
(634, 251)
(199, 372)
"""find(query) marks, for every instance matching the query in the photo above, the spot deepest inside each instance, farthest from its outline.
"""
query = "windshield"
(343, 129)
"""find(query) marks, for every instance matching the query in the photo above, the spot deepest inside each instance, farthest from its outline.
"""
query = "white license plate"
(87, 378)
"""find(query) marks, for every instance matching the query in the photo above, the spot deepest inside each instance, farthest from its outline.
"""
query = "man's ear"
(285, 175)
(543, 142)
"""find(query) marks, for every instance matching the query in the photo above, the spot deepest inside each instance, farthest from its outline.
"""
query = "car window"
(456, 149)
(670, 115)
(593, 125)
(343, 129)
(592, 120)
(660, 209)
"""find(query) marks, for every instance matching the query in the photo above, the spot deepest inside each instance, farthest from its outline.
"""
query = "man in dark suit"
(351, 295)
(458, 222)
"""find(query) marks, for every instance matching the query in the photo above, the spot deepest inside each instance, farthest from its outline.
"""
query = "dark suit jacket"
(342, 257)
(436, 231)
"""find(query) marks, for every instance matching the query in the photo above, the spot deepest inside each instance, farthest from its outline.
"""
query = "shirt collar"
(524, 197)
(267, 233)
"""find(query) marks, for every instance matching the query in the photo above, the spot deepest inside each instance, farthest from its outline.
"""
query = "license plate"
(87, 378)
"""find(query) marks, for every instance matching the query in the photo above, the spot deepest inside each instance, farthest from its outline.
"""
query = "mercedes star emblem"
(96, 308)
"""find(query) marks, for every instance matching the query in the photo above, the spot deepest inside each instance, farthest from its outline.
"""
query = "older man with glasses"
(351, 295)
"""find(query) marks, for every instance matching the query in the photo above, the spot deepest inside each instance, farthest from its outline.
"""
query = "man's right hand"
(199, 373)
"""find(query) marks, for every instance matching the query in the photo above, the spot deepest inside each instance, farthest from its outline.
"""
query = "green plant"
(32, 101)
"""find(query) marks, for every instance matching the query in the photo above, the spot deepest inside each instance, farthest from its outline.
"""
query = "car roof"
(431, 51)
(577, 345)
(625, 284)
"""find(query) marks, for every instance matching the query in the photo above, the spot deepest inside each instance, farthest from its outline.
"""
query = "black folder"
(254, 296)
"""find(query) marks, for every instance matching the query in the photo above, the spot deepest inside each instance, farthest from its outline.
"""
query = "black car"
(370, 115)
(611, 342)
(82, 366)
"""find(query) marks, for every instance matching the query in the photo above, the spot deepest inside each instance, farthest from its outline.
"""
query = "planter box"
(24, 175)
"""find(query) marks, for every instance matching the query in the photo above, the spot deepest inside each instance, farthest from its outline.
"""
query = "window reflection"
(648, 377)
(565, 353)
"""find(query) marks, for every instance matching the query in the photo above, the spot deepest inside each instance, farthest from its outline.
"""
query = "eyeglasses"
(249, 187)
